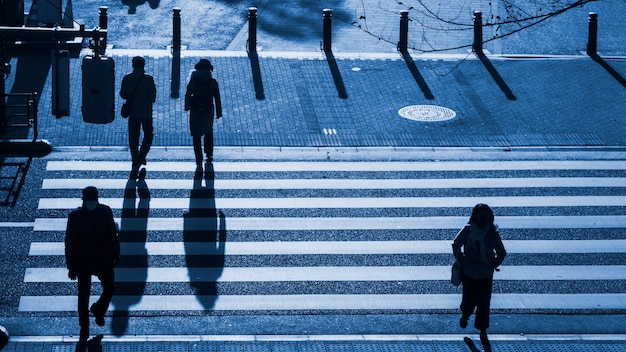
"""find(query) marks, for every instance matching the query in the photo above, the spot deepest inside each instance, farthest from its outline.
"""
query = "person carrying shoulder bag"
(479, 251)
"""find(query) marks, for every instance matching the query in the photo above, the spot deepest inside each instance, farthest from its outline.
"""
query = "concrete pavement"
(355, 100)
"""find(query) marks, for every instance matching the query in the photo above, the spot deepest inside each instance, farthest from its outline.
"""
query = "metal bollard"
(327, 44)
(403, 43)
(103, 24)
(478, 32)
(592, 41)
(252, 19)
(104, 17)
(176, 47)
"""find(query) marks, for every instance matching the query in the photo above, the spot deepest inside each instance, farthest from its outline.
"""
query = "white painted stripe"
(517, 338)
(348, 203)
(564, 339)
(530, 182)
(298, 166)
(336, 273)
(342, 247)
(17, 224)
(350, 223)
(328, 302)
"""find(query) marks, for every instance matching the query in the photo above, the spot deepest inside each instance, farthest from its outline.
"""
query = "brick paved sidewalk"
(353, 100)
(311, 343)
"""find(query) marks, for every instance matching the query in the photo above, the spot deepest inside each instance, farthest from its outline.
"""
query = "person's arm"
(500, 252)
(458, 243)
(218, 101)
(71, 248)
(153, 91)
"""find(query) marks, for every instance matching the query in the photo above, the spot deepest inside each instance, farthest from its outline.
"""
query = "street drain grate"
(427, 113)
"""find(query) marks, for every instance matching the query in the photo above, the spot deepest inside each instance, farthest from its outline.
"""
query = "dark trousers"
(208, 146)
(477, 295)
(134, 128)
(107, 280)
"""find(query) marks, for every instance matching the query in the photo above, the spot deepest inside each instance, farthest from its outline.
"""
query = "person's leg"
(146, 143)
(208, 143)
(197, 149)
(468, 300)
(99, 309)
(483, 303)
(134, 129)
(84, 291)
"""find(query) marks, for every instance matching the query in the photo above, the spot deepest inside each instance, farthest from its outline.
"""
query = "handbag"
(125, 111)
(455, 279)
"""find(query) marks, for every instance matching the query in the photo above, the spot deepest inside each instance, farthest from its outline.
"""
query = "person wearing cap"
(139, 90)
(91, 248)
(202, 100)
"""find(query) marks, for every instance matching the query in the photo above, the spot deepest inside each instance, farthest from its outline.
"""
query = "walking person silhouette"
(139, 90)
(202, 100)
(91, 248)
(479, 251)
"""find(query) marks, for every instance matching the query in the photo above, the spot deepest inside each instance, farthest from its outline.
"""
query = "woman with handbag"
(478, 249)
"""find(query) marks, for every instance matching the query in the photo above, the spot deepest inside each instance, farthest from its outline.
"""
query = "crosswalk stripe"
(341, 247)
(242, 184)
(328, 302)
(378, 177)
(360, 166)
(349, 203)
(336, 273)
(350, 223)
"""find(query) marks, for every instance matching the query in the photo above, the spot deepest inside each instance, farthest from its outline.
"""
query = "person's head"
(482, 215)
(139, 62)
(204, 64)
(90, 198)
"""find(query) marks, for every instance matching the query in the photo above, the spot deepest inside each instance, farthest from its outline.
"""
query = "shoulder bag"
(126, 107)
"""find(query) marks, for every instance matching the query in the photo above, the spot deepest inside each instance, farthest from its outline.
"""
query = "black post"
(327, 44)
(176, 47)
(403, 44)
(478, 32)
(592, 42)
(3, 110)
(252, 17)
(104, 24)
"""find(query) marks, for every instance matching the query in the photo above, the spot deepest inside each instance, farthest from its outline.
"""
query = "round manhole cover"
(427, 113)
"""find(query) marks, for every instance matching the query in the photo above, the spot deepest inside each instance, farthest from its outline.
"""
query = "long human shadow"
(334, 70)
(496, 76)
(419, 79)
(605, 65)
(204, 236)
(257, 80)
(133, 233)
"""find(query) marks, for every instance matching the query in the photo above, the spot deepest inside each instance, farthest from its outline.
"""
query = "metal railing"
(21, 111)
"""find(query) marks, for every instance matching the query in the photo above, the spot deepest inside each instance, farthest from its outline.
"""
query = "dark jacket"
(144, 96)
(201, 122)
(91, 242)
(474, 264)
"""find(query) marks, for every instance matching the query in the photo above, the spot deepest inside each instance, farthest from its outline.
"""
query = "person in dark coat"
(202, 100)
(91, 248)
(139, 88)
(479, 251)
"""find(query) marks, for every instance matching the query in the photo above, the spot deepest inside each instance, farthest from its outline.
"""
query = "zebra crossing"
(338, 236)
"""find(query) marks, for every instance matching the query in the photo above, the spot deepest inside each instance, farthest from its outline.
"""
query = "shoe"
(99, 318)
(463, 321)
(484, 340)
(84, 333)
